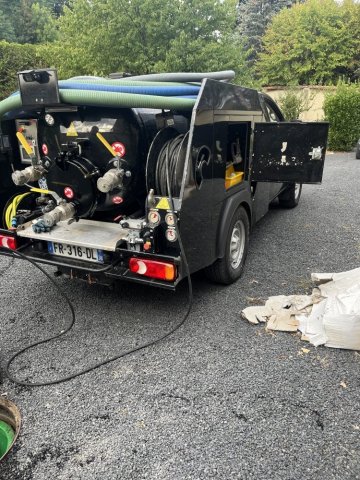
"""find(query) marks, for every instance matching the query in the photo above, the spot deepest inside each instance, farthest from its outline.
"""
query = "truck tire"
(290, 197)
(357, 154)
(228, 269)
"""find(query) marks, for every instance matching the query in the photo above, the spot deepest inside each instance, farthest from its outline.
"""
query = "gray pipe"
(181, 77)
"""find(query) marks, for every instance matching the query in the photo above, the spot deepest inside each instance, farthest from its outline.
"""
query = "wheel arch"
(240, 199)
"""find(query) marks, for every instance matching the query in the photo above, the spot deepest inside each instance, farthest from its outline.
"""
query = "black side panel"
(289, 152)
(226, 96)
(198, 237)
(203, 191)
(261, 199)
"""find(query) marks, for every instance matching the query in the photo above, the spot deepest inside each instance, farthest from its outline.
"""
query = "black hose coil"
(176, 150)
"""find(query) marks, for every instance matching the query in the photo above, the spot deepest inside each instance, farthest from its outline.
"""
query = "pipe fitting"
(61, 212)
(29, 174)
(112, 179)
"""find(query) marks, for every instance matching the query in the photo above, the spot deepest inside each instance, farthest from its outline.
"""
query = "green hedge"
(14, 58)
(342, 110)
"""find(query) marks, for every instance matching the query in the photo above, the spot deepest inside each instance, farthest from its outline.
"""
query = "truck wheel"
(228, 269)
(358, 150)
(290, 197)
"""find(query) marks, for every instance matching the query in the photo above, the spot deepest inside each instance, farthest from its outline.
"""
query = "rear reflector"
(153, 269)
(8, 242)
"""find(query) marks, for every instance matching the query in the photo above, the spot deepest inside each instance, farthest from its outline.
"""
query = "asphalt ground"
(220, 399)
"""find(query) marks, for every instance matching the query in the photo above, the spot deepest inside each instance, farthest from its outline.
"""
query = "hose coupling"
(61, 212)
(29, 174)
(113, 178)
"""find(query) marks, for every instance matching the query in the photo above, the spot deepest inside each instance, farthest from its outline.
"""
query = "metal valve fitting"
(111, 179)
(29, 174)
(61, 212)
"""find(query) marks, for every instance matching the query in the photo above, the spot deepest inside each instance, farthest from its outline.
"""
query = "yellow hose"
(12, 208)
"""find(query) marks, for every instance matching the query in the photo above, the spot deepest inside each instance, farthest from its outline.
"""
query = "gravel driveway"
(220, 399)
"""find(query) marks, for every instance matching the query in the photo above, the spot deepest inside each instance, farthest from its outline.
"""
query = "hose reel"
(168, 146)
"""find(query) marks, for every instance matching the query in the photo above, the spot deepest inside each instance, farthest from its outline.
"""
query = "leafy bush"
(316, 42)
(342, 110)
(14, 58)
(293, 104)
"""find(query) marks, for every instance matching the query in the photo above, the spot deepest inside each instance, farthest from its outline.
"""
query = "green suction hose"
(107, 99)
(131, 100)
(126, 100)
(10, 103)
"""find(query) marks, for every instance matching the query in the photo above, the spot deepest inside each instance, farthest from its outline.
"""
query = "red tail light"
(8, 242)
(153, 269)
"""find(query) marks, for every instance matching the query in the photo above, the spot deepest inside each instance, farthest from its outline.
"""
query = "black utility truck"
(98, 177)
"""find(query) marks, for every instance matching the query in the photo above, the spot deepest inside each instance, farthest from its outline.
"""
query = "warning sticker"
(71, 132)
(119, 148)
(163, 204)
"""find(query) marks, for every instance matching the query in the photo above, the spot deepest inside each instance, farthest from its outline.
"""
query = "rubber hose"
(113, 85)
(172, 157)
(114, 81)
(130, 100)
(108, 99)
(10, 103)
(186, 77)
(142, 90)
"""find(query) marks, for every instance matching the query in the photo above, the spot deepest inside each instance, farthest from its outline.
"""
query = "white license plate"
(77, 252)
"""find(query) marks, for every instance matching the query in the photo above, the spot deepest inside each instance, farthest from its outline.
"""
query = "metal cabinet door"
(291, 152)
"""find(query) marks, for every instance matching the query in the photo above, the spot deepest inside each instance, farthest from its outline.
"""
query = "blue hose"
(142, 90)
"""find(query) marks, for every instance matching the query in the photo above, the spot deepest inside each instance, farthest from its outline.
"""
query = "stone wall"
(314, 97)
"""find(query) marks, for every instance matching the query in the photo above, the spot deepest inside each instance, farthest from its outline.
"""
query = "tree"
(253, 18)
(6, 22)
(43, 26)
(54, 6)
(143, 36)
(27, 21)
(316, 42)
(14, 58)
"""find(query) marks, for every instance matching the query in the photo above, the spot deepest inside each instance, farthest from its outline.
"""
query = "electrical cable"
(11, 208)
(17, 254)
(7, 205)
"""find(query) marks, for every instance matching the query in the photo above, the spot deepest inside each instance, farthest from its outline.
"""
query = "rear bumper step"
(84, 233)
(117, 269)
